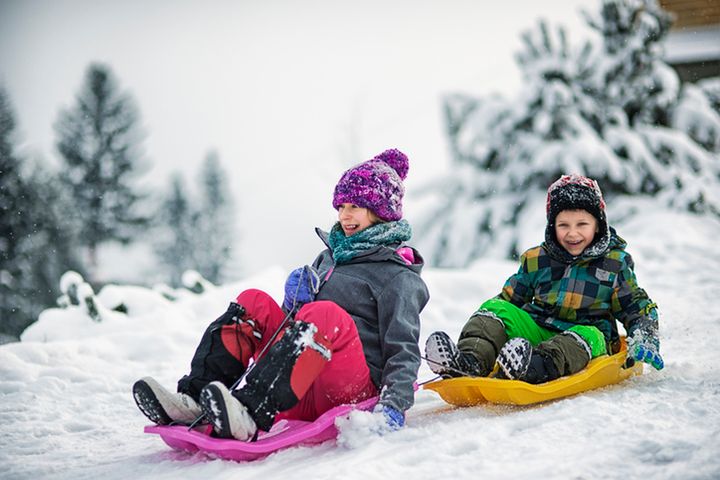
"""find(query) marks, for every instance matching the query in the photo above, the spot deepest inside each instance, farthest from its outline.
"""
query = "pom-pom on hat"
(376, 184)
(575, 192)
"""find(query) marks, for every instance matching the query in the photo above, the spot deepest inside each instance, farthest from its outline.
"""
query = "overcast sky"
(290, 93)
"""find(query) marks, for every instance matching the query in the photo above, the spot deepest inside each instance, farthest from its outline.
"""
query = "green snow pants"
(484, 335)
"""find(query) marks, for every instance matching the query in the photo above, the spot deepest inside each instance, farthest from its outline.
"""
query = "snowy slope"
(66, 410)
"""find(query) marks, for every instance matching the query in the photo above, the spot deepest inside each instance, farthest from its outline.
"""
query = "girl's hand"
(301, 287)
(395, 419)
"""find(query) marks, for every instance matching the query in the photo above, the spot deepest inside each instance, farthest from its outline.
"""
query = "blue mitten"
(301, 287)
(395, 419)
(644, 347)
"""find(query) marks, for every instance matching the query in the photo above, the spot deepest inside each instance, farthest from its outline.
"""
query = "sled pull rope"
(437, 377)
(262, 352)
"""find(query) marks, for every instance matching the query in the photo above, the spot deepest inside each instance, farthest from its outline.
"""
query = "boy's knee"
(487, 326)
(569, 351)
(483, 336)
(593, 337)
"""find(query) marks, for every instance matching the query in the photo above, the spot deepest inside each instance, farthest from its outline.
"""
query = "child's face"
(354, 219)
(575, 230)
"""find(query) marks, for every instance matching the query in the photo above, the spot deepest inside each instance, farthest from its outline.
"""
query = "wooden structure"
(693, 46)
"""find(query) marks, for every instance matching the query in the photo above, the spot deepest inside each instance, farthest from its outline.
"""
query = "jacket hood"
(600, 246)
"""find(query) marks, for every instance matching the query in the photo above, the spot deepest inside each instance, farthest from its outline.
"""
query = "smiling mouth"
(351, 227)
(574, 242)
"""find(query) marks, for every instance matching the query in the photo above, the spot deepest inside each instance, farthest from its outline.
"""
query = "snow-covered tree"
(698, 113)
(629, 72)
(609, 108)
(98, 141)
(35, 249)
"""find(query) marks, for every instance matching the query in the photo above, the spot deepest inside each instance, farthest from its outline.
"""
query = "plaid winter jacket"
(559, 292)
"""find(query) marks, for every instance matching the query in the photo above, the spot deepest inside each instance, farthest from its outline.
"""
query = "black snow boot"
(212, 360)
(446, 360)
(541, 369)
(518, 360)
(275, 384)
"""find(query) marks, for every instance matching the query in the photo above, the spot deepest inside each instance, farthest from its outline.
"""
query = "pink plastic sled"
(283, 434)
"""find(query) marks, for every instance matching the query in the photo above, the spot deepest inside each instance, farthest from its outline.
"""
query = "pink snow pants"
(345, 378)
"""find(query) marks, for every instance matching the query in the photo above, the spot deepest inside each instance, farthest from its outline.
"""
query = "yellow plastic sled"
(600, 372)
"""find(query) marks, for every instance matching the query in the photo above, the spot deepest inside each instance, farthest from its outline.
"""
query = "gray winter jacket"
(384, 295)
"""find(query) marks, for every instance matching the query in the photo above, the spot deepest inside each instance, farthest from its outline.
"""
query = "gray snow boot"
(162, 406)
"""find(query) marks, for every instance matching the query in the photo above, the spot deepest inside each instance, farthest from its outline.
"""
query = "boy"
(559, 310)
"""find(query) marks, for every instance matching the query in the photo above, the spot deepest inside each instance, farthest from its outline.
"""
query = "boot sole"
(149, 404)
(440, 354)
(514, 358)
(213, 406)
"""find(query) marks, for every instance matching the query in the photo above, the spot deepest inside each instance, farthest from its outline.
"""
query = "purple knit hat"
(376, 185)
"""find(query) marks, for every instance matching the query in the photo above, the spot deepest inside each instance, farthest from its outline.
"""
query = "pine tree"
(215, 220)
(12, 186)
(698, 113)
(14, 224)
(52, 246)
(611, 110)
(197, 235)
(176, 246)
(642, 103)
(98, 141)
(35, 248)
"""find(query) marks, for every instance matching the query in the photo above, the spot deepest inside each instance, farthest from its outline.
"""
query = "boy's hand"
(301, 287)
(645, 348)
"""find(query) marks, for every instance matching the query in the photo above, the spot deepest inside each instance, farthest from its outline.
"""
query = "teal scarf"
(345, 248)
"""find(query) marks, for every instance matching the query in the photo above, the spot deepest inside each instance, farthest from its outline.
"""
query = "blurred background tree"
(177, 228)
(35, 247)
(99, 144)
(197, 234)
(215, 220)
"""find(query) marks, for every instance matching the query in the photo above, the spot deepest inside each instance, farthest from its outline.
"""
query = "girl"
(353, 332)
(559, 310)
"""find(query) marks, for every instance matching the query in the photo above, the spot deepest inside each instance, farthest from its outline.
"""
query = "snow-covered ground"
(66, 410)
